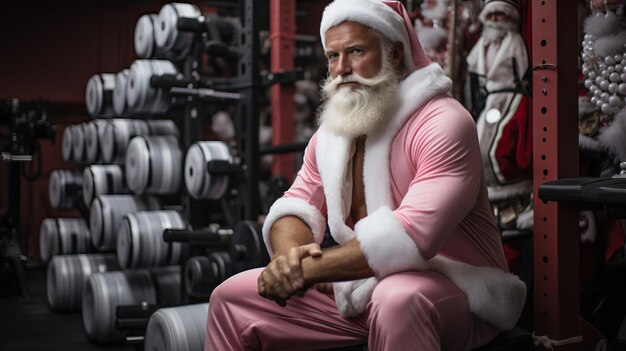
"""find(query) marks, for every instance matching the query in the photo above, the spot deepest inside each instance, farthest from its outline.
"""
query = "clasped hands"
(283, 277)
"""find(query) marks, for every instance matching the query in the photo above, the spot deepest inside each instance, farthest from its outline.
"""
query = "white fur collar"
(416, 90)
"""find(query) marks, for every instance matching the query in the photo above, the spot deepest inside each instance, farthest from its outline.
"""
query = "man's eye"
(356, 51)
(332, 56)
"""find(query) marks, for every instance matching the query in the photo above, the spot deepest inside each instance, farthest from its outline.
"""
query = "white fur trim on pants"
(291, 206)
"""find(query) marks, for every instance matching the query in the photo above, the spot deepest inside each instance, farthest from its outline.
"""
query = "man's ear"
(397, 54)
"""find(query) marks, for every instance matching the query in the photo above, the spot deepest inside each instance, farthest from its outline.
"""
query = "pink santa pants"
(408, 311)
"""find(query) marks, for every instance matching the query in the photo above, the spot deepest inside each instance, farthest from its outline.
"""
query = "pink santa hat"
(389, 18)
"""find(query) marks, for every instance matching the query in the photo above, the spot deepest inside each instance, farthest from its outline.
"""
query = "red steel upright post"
(555, 133)
(282, 33)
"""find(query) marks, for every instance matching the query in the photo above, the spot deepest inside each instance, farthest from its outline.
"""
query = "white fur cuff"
(291, 206)
(386, 245)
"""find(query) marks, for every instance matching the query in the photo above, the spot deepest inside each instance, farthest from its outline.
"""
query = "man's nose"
(344, 66)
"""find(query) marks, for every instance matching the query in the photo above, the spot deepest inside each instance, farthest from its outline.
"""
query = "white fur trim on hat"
(291, 206)
(499, 6)
(370, 13)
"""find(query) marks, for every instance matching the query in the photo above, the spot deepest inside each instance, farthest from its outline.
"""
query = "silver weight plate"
(78, 143)
(247, 249)
(144, 35)
(98, 95)
(162, 127)
(107, 212)
(140, 241)
(137, 165)
(199, 182)
(168, 38)
(48, 239)
(100, 180)
(93, 132)
(153, 165)
(117, 135)
(57, 195)
(141, 97)
(104, 292)
(67, 144)
(120, 104)
(180, 328)
(67, 275)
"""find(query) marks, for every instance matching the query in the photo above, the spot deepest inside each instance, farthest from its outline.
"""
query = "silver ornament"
(597, 93)
(617, 57)
(619, 67)
(609, 61)
(593, 89)
(592, 74)
(615, 77)
(594, 100)
(588, 83)
(613, 88)
(622, 89)
(615, 101)
(623, 77)
(605, 73)
(606, 108)
(604, 85)
(604, 96)
(611, 69)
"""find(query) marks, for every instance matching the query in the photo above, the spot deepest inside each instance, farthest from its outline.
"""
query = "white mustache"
(355, 78)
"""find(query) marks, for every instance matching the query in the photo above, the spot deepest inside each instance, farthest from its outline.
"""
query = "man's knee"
(238, 287)
(416, 293)
(399, 299)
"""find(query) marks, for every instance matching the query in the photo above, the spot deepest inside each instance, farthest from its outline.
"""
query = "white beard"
(352, 113)
(494, 32)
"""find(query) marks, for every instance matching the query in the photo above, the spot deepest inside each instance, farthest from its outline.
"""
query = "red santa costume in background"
(505, 127)
(504, 124)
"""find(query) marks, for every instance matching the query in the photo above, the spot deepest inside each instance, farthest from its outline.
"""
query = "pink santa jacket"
(426, 199)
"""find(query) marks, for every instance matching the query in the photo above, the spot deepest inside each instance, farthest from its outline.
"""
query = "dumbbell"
(204, 273)
(181, 328)
(231, 253)
(63, 187)
(99, 95)
(140, 241)
(60, 236)
(67, 275)
(105, 292)
(153, 165)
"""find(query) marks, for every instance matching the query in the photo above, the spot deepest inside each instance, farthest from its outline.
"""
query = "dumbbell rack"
(192, 95)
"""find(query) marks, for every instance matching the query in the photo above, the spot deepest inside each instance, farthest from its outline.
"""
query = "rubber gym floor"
(27, 324)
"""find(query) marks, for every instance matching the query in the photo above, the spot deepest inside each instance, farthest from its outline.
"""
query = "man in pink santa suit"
(395, 171)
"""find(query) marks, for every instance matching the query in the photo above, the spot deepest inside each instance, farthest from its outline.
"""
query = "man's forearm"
(345, 262)
(288, 232)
